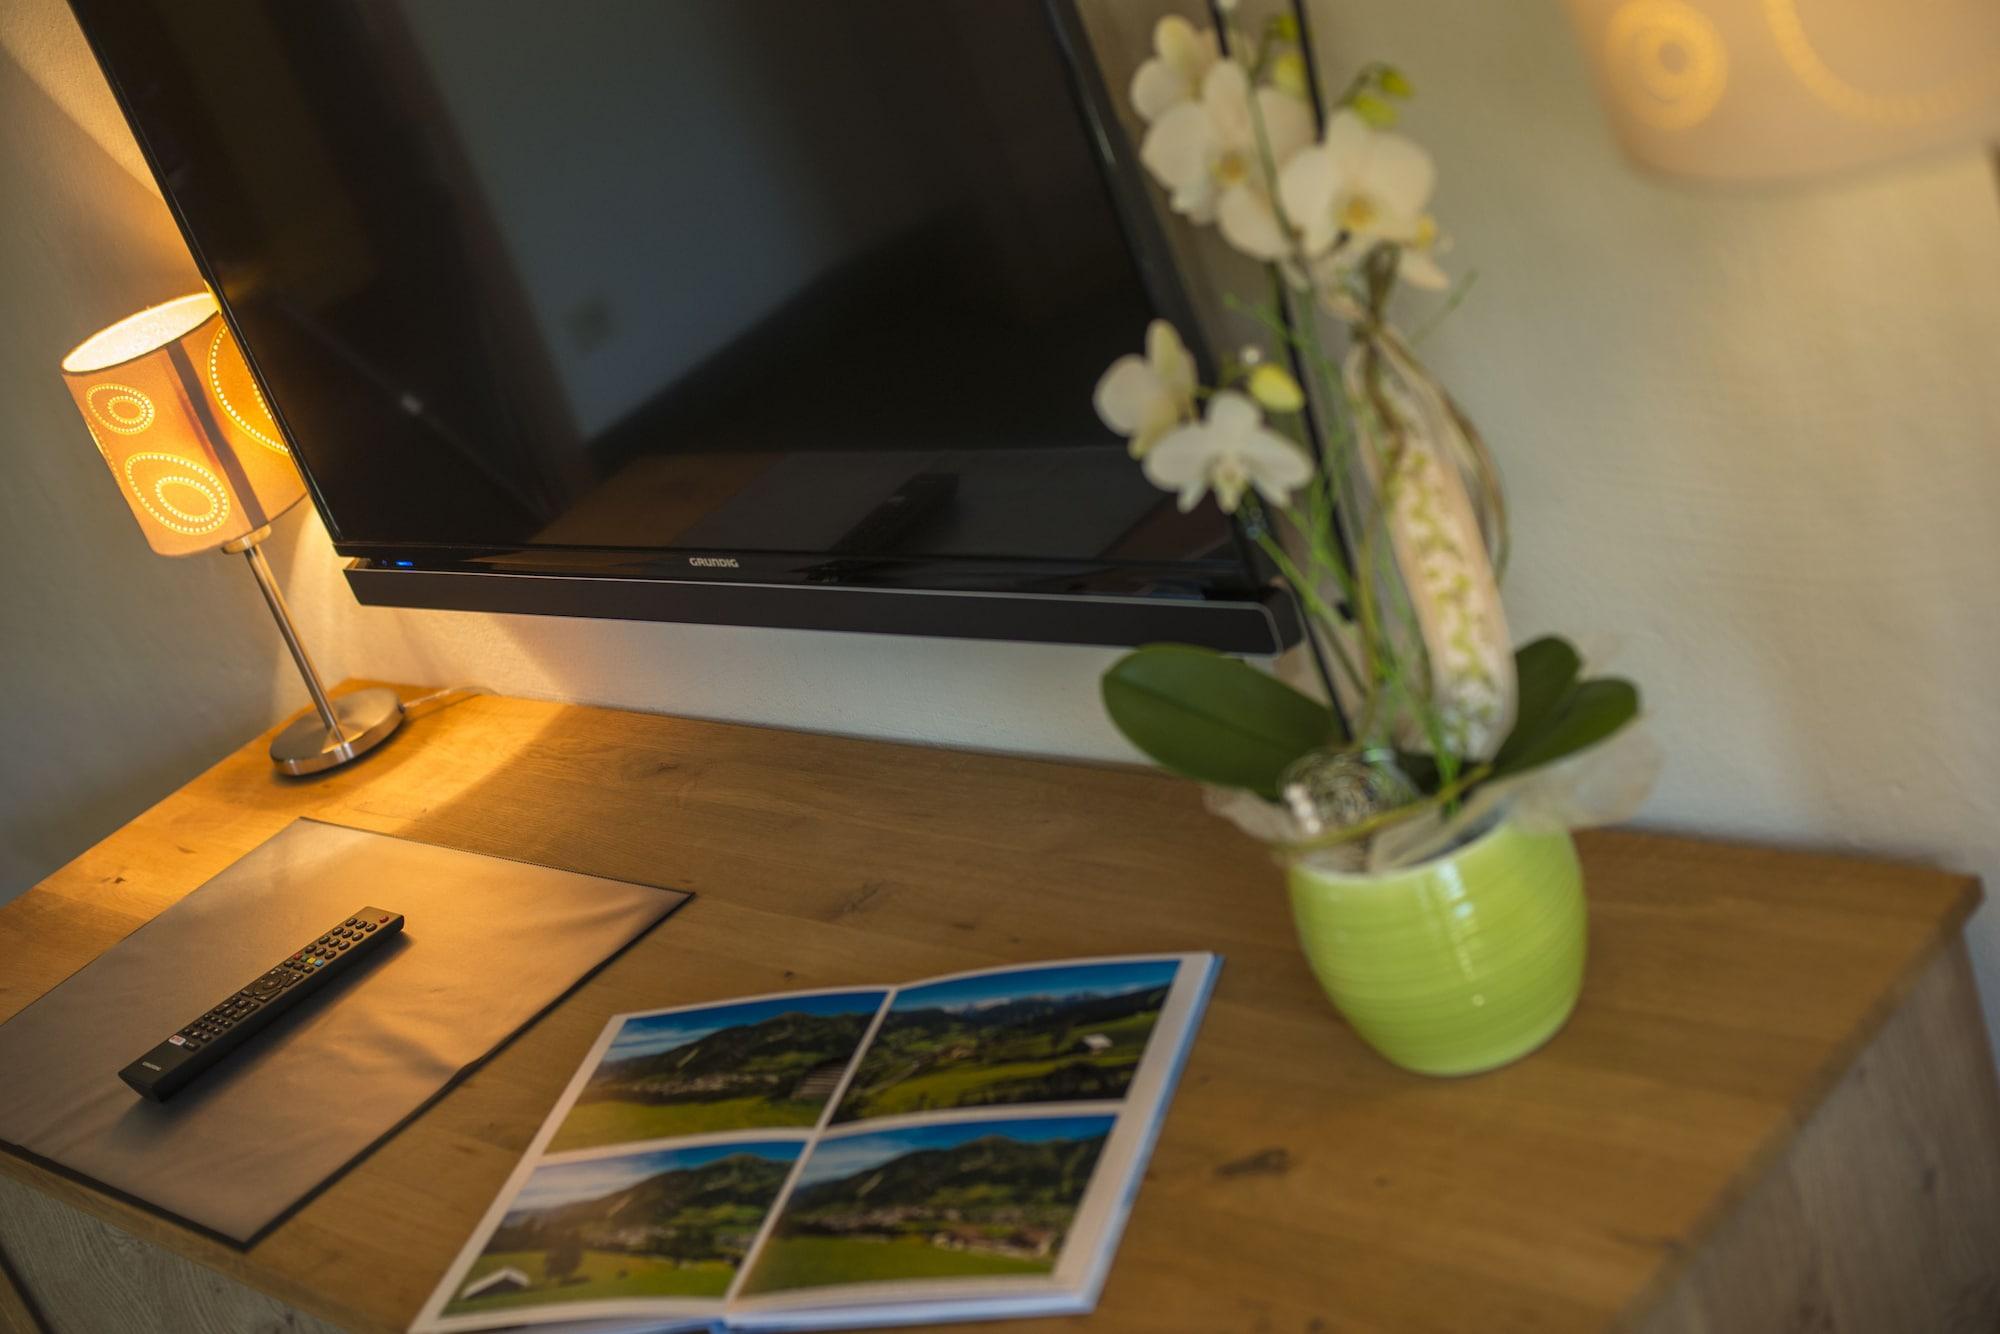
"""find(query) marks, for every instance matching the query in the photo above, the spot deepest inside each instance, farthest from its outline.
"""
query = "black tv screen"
(772, 291)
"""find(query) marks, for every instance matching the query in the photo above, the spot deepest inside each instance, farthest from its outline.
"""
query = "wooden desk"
(1773, 1110)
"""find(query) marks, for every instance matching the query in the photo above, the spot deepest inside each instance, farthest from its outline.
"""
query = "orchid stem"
(1315, 604)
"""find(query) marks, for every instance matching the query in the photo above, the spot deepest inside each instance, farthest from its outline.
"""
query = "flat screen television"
(767, 312)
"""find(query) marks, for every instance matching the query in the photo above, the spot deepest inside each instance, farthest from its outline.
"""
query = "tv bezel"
(1231, 605)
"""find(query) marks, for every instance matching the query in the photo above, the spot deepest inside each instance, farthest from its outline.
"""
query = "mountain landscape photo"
(1066, 1033)
(960, 1199)
(669, 1223)
(719, 1069)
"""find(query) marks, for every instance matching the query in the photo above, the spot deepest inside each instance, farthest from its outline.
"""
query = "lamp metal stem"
(262, 569)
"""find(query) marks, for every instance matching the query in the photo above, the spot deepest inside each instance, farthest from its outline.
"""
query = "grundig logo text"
(714, 562)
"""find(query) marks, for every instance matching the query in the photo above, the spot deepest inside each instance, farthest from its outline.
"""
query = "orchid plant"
(1373, 496)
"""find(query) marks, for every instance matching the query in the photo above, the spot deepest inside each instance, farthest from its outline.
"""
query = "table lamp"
(1755, 91)
(180, 421)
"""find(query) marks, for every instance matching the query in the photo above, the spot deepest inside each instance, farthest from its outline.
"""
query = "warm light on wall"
(1763, 89)
(180, 421)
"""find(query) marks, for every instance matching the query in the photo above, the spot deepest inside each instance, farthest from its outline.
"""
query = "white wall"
(1749, 436)
(1753, 437)
(121, 675)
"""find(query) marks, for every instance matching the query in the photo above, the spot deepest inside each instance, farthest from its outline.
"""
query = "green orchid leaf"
(1209, 717)
(1545, 671)
(1589, 713)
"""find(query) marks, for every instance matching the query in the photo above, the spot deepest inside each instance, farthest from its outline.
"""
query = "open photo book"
(960, 1148)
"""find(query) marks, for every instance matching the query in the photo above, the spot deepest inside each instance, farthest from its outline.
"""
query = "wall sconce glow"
(1766, 89)
(180, 421)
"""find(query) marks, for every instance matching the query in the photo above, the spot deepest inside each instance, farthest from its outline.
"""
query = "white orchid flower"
(1182, 58)
(1208, 157)
(1357, 188)
(1229, 451)
(1145, 397)
(1416, 262)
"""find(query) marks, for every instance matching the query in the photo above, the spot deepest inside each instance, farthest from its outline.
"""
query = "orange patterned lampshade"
(1765, 89)
(174, 411)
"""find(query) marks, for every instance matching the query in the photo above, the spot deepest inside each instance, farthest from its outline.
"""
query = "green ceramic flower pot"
(1457, 965)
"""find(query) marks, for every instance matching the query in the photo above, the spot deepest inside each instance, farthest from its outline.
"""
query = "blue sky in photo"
(663, 1032)
(564, 1183)
(837, 1158)
(1062, 980)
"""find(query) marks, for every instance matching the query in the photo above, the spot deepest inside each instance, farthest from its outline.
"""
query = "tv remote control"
(169, 1067)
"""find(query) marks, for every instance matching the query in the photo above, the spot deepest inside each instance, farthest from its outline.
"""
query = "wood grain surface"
(16, 1315)
(91, 1278)
(1883, 1214)
(1301, 1183)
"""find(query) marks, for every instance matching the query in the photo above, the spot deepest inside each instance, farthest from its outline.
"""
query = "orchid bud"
(1373, 109)
(1273, 386)
(1289, 75)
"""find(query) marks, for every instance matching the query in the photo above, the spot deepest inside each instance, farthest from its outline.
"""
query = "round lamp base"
(366, 717)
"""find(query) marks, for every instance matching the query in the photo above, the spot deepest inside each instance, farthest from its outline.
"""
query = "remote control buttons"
(218, 1028)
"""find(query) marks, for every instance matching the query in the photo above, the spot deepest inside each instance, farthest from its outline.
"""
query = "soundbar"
(1260, 623)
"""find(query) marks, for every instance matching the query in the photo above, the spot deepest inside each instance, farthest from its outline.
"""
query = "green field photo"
(662, 1224)
(1065, 1033)
(598, 1275)
(817, 1262)
(953, 1200)
(616, 1122)
(749, 1065)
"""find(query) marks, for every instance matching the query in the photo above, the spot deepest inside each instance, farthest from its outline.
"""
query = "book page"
(651, 1180)
(982, 1157)
(966, 1146)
